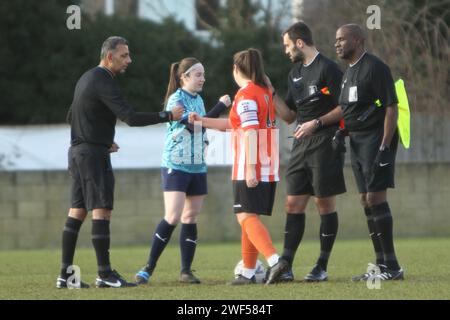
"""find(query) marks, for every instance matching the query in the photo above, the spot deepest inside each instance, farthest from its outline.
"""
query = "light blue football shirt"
(184, 150)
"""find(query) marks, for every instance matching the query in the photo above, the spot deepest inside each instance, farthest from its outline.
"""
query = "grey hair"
(111, 44)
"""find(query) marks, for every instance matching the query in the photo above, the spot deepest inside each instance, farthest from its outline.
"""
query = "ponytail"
(176, 70)
(174, 82)
(250, 63)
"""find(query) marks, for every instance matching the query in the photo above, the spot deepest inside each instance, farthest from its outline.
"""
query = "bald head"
(349, 42)
(355, 31)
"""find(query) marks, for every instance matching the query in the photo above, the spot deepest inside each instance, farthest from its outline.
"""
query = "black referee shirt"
(306, 80)
(96, 105)
(366, 81)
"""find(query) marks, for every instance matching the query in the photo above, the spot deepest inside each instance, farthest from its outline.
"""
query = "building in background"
(196, 15)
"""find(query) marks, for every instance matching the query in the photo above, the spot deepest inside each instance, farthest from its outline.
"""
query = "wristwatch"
(384, 147)
(319, 123)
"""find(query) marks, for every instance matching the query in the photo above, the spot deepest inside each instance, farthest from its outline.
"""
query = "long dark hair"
(250, 63)
(176, 71)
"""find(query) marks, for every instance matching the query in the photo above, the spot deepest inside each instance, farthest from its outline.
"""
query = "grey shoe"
(241, 280)
(188, 277)
(287, 276)
(317, 274)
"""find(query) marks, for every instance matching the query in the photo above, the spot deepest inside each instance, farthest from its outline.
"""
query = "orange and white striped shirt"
(253, 109)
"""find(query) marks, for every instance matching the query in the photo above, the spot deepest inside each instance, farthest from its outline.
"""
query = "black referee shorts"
(364, 146)
(314, 167)
(92, 177)
(258, 200)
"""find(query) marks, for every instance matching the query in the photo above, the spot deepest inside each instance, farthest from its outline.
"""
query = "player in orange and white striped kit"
(255, 163)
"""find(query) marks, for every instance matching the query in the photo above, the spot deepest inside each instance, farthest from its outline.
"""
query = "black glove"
(338, 141)
(384, 158)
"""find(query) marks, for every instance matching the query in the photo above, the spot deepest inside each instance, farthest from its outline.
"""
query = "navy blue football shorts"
(193, 184)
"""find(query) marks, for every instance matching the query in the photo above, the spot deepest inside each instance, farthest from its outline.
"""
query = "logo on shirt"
(297, 79)
(312, 90)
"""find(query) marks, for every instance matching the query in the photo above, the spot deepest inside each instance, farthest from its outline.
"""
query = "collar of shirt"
(313, 59)
(107, 70)
(354, 64)
(190, 95)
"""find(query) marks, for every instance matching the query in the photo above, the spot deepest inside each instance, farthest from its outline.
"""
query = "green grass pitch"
(32, 274)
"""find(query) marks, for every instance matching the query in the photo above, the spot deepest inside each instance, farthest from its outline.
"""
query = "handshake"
(193, 117)
(178, 111)
(224, 102)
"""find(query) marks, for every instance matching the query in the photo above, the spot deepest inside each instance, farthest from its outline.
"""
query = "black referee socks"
(101, 242)
(328, 232)
(374, 236)
(384, 226)
(293, 234)
(69, 242)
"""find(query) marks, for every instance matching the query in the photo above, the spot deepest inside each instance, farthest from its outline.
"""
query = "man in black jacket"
(96, 105)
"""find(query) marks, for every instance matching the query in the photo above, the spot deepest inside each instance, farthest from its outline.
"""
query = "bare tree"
(247, 13)
(413, 40)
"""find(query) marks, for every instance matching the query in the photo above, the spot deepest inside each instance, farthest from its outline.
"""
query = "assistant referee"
(373, 142)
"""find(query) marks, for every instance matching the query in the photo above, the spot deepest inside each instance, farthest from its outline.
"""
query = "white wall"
(45, 147)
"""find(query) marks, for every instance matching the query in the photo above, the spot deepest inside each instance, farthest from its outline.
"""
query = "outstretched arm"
(283, 110)
(281, 107)
(111, 96)
(210, 123)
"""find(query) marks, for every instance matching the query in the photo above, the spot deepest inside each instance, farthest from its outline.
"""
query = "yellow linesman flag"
(404, 116)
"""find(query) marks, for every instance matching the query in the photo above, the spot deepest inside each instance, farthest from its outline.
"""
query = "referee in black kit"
(373, 141)
(96, 105)
(315, 166)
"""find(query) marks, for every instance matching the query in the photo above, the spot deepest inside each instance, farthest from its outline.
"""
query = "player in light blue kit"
(183, 168)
